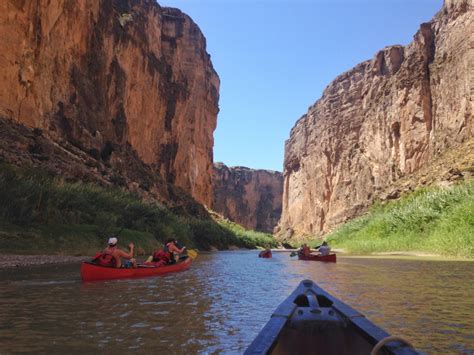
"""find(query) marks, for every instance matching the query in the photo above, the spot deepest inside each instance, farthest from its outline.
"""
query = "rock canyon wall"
(249, 197)
(123, 88)
(381, 121)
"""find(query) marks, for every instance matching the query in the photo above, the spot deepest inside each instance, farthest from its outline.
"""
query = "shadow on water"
(223, 301)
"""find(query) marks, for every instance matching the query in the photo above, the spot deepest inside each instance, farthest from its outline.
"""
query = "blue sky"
(275, 57)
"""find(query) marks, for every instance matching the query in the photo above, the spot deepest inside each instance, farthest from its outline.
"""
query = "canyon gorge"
(249, 197)
(123, 93)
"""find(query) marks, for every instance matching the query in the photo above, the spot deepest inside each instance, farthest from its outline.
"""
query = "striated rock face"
(249, 197)
(381, 121)
(118, 80)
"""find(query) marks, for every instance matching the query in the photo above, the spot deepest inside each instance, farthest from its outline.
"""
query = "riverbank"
(400, 255)
(430, 221)
(394, 253)
(16, 261)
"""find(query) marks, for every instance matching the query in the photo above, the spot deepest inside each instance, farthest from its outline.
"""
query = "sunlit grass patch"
(439, 220)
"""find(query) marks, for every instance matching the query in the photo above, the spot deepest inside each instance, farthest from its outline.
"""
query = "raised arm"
(175, 249)
(128, 255)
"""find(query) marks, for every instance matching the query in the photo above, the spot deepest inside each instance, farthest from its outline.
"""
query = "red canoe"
(265, 254)
(331, 258)
(94, 272)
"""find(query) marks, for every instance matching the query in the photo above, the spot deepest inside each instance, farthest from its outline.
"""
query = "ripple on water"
(222, 302)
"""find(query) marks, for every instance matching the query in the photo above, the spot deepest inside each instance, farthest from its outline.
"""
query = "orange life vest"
(161, 255)
(105, 259)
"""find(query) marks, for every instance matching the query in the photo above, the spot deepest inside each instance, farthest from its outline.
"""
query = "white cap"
(112, 241)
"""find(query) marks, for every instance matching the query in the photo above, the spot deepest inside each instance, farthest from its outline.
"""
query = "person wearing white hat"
(118, 254)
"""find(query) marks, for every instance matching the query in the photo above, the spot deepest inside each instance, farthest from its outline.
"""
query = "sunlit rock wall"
(380, 121)
(114, 79)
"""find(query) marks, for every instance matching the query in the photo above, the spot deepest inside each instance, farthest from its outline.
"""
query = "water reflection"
(222, 302)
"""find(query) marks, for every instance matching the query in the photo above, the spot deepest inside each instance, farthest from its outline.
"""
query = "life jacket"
(161, 255)
(304, 251)
(105, 259)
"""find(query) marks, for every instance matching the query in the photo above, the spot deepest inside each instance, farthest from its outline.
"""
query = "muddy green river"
(221, 303)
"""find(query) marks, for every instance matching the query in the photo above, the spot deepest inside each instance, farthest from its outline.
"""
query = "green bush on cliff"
(43, 214)
(432, 220)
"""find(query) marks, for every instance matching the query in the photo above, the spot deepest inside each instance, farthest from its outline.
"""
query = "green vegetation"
(43, 214)
(430, 220)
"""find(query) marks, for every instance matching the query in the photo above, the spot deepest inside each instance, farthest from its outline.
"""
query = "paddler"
(113, 255)
(172, 247)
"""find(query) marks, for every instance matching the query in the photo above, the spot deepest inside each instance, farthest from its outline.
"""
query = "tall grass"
(433, 220)
(43, 213)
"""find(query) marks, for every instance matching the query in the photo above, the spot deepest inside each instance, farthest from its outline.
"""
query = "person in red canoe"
(112, 255)
(305, 250)
(324, 249)
(168, 254)
(172, 247)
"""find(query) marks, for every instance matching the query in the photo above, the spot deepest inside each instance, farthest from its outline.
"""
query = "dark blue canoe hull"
(311, 321)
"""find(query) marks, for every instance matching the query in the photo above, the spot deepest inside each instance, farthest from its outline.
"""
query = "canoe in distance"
(331, 258)
(94, 272)
(311, 321)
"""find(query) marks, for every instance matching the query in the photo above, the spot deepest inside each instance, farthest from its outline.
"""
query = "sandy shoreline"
(15, 261)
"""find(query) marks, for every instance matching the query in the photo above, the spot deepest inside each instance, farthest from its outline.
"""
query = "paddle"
(189, 252)
(192, 253)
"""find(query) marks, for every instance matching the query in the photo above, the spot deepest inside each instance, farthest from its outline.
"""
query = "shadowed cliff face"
(119, 80)
(383, 120)
(249, 197)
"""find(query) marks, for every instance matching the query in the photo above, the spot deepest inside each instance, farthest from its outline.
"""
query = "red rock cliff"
(114, 79)
(249, 197)
(384, 119)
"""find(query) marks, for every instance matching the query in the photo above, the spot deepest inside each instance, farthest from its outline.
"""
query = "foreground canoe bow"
(311, 321)
(331, 258)
(94, 272)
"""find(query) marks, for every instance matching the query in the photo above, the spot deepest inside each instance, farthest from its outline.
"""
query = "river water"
(221, 303)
